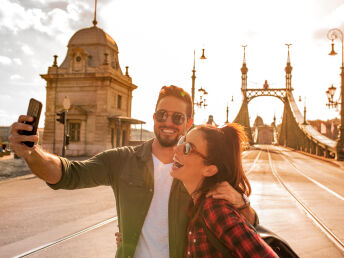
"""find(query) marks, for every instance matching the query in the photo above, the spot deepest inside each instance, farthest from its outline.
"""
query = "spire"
(194, 59)
(244, 71)
(244, 53)
(288, 69)
(95, 13)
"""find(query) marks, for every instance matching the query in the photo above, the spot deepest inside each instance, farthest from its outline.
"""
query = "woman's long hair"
(224, 148)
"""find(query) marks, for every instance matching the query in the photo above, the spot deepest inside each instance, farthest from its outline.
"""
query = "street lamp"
(202, 100)
(330, 94)
(332, 35)
(227, 111)
(66, 106)
(304, 109)
(193, 77)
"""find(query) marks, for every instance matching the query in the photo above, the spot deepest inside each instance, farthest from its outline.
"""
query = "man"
(151, 206)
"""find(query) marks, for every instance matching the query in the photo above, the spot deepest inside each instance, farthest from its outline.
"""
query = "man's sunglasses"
(189, 148)
(162, 115)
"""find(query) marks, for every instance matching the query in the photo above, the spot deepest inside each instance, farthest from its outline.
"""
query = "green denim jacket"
(129, 171)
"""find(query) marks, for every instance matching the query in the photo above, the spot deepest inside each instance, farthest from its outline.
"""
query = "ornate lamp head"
(332, 90)
(203, 56)
(332, 53)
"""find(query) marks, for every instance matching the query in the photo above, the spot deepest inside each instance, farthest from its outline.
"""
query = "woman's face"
(190, 168)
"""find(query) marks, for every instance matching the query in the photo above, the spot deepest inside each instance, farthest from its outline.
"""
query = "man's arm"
(45, 165)
(225, 191)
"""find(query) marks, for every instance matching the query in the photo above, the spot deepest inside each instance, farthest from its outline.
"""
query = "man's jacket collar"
(144, 151)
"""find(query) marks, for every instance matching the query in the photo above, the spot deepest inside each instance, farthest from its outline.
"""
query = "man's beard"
(166, 141)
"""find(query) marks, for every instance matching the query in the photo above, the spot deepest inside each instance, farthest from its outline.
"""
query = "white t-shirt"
(153, 241)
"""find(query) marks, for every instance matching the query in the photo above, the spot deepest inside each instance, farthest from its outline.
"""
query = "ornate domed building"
(263, 134)
(100, 94)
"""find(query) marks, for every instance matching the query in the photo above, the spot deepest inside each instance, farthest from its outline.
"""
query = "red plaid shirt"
(226, 223)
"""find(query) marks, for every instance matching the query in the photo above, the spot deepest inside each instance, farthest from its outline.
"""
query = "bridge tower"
(243, 117)
(290, 134)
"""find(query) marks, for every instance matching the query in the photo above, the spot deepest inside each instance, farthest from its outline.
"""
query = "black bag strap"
(279, 245)
(217, 243)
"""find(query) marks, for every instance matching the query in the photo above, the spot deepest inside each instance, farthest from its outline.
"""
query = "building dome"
(92, 36)
(91, 47)
(258, 122)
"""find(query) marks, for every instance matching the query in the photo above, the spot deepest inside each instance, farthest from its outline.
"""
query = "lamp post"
(304, 109)
(193, 77)
(66, 106)
(332, 35)
(227, 111)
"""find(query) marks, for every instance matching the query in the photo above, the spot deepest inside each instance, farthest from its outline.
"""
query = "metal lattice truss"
(278, 93)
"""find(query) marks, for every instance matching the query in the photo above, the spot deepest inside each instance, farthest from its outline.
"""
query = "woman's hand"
(225, 191)
(118, 238)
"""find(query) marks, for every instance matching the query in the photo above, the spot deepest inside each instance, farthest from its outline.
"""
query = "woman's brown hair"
(224, 148)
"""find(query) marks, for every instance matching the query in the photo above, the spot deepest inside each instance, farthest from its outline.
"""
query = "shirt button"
(189, 253)
(194, 240)
(190, 232)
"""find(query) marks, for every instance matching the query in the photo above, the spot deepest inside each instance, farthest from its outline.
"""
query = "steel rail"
(338, 243)
(78, 233)
(287, 158)
(254, 163)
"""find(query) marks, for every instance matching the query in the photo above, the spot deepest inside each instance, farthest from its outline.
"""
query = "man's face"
(167, 132)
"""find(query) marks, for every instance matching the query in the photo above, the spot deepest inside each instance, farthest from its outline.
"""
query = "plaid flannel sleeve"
(232, 230)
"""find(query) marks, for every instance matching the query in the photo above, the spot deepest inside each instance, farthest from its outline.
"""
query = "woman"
(204, 157)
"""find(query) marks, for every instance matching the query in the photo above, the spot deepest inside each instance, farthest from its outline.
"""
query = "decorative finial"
(194, 59)
(95, 13)
(126, 71)
(244, 68)
(288, 45)
(55, 61)
(244, 46)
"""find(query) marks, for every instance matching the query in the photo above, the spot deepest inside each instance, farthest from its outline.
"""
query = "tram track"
(254, 163)
(98, 225)
(311, 179)
(67, 237)
(316, 220)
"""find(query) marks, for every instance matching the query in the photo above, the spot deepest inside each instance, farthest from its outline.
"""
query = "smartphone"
(34, 110)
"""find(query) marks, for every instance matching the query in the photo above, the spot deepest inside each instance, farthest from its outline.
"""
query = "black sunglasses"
(189, 148)
(162, 115)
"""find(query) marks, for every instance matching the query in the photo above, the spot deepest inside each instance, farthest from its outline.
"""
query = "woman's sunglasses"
(189, 148)
(162, 115)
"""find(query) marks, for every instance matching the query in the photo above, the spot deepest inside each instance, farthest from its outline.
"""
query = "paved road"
(32, 214)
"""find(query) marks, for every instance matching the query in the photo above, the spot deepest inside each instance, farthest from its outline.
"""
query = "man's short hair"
(178, 93)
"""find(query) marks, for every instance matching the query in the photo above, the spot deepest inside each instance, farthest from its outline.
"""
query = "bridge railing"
(327, 146)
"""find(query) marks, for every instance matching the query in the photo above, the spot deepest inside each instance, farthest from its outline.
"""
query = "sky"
(157, 40)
